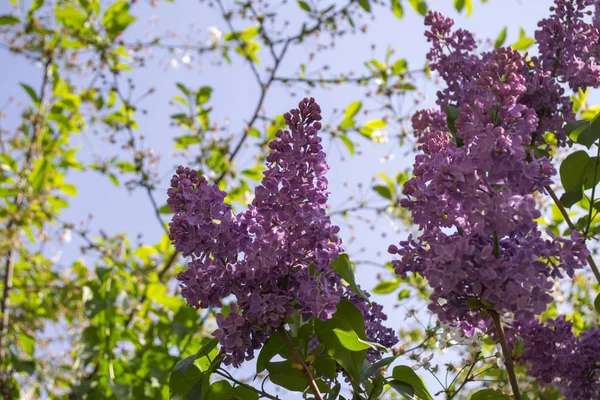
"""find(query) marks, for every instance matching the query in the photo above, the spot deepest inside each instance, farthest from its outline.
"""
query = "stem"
(300, 359)
(565, 215)
(508, 361)
(589, 224)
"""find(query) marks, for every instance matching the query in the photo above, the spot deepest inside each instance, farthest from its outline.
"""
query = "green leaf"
(406, 374)
(8, 20)
(274, 345)
(182, 380)
(32, 94)
(459, 5)
(186, 364)
(284, 374)
(579, 169)
(489, 394)
(303, 5)
(570, 198)
(27, 343)
(325, 365)
(500, 39)
(419, 5)
(203, 94)
(244, 393)
(328, 333)
(524, 42)
(352, 109)
(386, 287)
(116, 18)
(220, 390)
(403, 294)
(348, 143)
(249, 33)
(26, 366)
(365, 5)
(597, 303)
(451, 117)
(397, 9)
(383, 191)
(371, 369)
(70, 17)
(405, 389)
(371, 126)
(584, 132)
(343, 267)
(165, 209)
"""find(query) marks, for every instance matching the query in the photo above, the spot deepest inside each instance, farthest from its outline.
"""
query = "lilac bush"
(275, 257)
(483, 160)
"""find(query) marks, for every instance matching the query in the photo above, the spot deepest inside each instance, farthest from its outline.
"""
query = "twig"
(300, 359)
(565, 215)
(508, 361)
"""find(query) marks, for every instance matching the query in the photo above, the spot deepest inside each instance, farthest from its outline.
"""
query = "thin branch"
(300, 359)
(508, 361)
(10, 230)
(565, 215)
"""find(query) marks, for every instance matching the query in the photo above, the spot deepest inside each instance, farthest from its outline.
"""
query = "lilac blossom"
(555, 356)
(472, 194)
(275, 257)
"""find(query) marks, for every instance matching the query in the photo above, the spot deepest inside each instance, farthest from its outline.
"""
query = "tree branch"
(300, 359)
(508, 361)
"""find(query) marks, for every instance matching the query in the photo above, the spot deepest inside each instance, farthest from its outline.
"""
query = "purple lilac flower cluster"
(555, 356)
(275, 257)
(473, 189)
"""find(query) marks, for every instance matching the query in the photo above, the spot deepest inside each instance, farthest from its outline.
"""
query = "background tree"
(105, 319)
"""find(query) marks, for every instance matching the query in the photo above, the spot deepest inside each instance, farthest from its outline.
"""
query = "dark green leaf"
(244, 393)
(406, 374)
(182, 381)
(384, 362)
(489, 394)
(579, 169)
(451, 117)
(203, 94)
(419, 5)
(325, 365)
(405, 389)
(271, 348)
(347, 319)
(570, 198)
(32, 94)
(284, 374)
(220, 390)
(500, 39)
(8, 20)
(365, 5)
(597, 304)
(584, 132)
(383, 191)
(303, 5)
